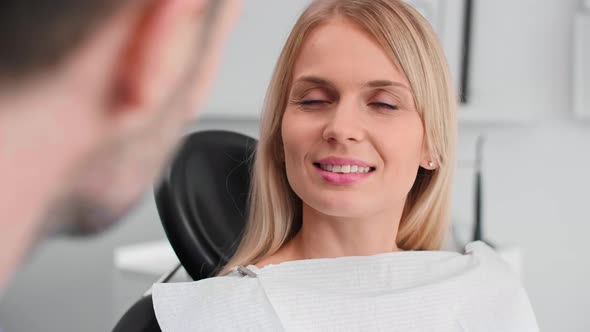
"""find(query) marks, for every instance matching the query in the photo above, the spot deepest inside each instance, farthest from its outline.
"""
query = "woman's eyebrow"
(384, 84)
(315, 80)
(371, 84)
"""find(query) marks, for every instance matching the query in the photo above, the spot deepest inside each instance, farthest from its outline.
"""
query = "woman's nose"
(344, 124)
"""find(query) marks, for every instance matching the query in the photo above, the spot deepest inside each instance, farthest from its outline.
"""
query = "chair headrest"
(202, 199)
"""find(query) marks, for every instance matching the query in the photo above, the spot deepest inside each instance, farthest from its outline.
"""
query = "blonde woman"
(351, 192)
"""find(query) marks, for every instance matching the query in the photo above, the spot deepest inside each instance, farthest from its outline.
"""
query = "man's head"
(112, 84)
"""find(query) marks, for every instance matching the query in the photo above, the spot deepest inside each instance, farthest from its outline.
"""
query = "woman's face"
(353, 140)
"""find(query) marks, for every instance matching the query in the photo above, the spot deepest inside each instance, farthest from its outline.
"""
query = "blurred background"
(524, 68)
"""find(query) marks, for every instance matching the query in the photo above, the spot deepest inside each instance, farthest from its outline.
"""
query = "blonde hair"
(275, 210)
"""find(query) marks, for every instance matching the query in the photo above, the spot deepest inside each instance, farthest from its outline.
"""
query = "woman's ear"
(428, 160)
(429, 165)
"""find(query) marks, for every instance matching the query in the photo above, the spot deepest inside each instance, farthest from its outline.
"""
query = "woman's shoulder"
(481, 249)
(490, 261)
(204, 287)
(494, 293)
(225, 298)
(489, 267)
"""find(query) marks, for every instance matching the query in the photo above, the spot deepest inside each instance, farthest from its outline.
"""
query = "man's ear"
(161, 45)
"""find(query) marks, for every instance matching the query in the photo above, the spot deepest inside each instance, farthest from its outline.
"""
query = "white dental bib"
(400, 291)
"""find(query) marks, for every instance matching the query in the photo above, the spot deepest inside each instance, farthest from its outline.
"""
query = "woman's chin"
(342, 208)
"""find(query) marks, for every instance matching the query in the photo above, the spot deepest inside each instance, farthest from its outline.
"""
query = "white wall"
(537, 184)
(536, 174)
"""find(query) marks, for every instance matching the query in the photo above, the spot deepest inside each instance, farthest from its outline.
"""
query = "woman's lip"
(342, 178)
(343, 161)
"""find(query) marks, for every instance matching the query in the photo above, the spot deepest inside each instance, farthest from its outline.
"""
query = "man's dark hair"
(36, 35)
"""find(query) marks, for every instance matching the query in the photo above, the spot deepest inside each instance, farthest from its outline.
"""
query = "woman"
(351, 192)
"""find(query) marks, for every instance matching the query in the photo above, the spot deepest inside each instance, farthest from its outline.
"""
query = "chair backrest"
(202, 199)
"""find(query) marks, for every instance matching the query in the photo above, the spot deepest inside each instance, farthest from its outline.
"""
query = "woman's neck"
(323, 236)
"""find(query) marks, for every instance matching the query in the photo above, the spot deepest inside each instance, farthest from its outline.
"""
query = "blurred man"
(94, 96)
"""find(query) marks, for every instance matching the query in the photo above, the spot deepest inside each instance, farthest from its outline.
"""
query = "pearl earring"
(430, 164)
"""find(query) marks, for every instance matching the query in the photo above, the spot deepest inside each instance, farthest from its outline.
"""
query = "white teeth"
(345, 168)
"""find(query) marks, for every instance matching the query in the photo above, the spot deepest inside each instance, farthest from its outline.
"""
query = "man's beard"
(81, 216)
(76, 217)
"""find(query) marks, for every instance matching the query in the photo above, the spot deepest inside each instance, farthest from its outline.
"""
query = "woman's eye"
(384, 106)
(312, 102)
